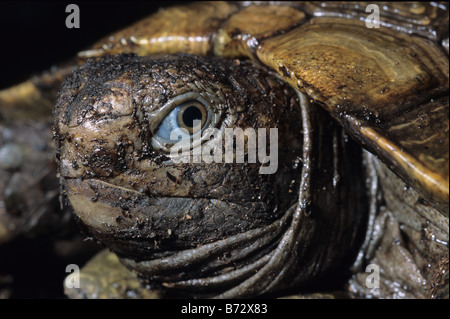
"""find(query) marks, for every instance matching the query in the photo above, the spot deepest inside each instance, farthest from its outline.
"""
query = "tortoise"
(359, 115)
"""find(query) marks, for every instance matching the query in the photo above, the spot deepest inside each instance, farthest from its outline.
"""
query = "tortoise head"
(174, 162)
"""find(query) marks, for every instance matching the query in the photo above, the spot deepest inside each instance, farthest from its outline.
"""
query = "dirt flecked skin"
(130, 197)
(410, 244)
(117, 150)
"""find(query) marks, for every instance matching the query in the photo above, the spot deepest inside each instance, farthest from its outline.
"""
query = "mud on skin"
(132, 198)
(121, 95)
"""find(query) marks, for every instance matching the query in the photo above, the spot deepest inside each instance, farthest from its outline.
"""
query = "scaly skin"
(120, 184)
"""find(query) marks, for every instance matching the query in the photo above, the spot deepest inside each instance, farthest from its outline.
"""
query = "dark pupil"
(191, 114)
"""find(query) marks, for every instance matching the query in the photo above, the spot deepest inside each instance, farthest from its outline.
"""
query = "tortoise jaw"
(112, 215)
(142, 227)
(222, 262)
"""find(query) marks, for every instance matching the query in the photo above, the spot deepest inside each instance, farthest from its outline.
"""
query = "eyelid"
(156, 117)
(214, 111)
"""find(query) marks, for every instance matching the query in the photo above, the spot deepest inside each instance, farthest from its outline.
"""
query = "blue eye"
(183, 122)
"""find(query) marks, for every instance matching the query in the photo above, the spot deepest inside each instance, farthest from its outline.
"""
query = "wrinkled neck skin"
(208, 229)
(406, 241)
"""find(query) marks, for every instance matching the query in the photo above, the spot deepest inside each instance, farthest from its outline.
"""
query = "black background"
(33, 34)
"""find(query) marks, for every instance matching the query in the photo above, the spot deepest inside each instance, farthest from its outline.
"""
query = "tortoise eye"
(186, 120)
(188, 113)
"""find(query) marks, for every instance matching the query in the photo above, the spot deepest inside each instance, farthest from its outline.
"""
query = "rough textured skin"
(409, 243)
(170, 222)
(99, 147)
